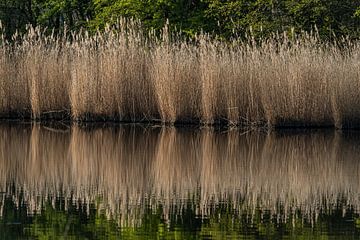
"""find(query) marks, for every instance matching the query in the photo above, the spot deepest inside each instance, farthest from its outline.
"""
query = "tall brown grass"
(126, 74)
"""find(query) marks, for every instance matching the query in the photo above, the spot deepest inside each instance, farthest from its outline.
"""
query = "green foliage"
(55, 13)
(52, 14)
(239, 17)
(268, 16)
(357, 13)
(331, 17)
(15, 14)
(224, 18)
(183, 14)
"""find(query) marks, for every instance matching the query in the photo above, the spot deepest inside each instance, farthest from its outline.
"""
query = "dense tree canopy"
(222, 17)
(53, 14)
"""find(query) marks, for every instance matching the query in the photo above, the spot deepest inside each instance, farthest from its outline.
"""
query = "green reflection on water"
(84, 221)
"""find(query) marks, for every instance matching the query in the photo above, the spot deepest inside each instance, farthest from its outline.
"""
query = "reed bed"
(126, 74)
(289, 175)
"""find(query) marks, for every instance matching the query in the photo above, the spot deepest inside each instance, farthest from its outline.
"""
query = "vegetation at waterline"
(223, 18)
(127, 74)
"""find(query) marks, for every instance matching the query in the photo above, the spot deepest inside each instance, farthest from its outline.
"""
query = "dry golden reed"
(125, 74)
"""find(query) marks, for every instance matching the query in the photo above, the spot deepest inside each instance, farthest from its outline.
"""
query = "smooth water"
(137, 182)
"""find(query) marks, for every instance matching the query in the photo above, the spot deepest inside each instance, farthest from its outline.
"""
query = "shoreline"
(178, 124)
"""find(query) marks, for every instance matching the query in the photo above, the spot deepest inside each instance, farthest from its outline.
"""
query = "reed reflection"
(126, 170)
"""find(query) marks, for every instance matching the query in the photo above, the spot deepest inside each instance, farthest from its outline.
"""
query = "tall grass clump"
(175, 73)
(110, 75)
(126, 74)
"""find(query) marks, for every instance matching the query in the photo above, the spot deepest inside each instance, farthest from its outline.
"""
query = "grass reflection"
(177, 183)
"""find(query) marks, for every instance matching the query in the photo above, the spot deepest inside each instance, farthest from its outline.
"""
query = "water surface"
(177, 183)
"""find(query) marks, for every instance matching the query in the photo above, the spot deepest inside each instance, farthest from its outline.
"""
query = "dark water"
(167, 183)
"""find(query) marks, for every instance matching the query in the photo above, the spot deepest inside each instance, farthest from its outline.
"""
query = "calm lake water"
(137, 182)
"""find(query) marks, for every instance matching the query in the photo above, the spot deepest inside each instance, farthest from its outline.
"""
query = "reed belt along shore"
(126, 74)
